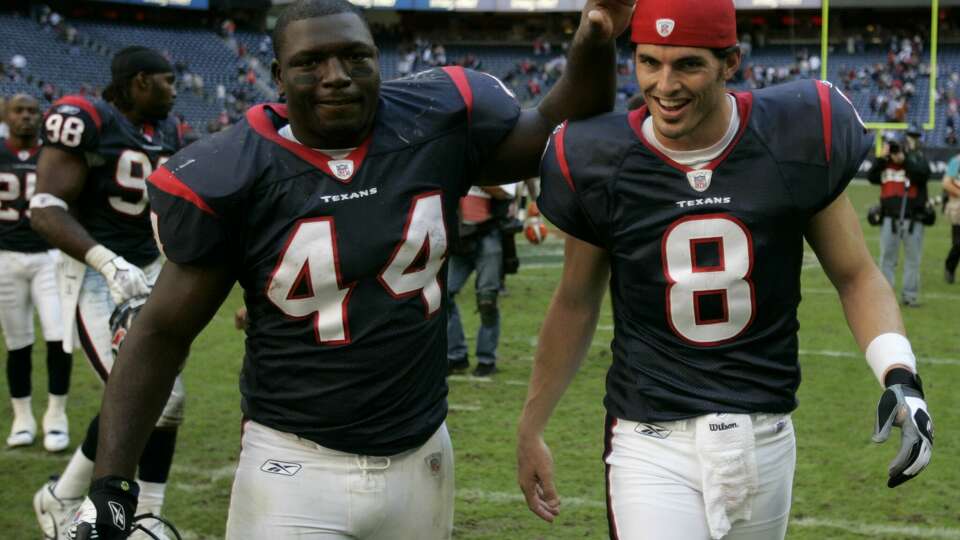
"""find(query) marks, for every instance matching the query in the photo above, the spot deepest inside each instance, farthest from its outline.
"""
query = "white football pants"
(28, 280)
(287, 487)
(656, 487)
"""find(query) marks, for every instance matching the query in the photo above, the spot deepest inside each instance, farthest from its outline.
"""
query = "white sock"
(151, 497)
(21, 407)
(75, 479)
(56, 404)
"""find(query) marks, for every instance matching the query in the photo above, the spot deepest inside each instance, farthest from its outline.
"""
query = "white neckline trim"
(337, 153)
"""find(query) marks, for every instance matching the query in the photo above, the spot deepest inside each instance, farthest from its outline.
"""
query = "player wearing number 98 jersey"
(91, 202)
(693, 210)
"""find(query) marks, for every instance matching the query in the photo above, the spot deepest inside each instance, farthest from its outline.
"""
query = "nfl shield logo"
(700, 179)
(342, 168)
(23, 155)
(665, 27)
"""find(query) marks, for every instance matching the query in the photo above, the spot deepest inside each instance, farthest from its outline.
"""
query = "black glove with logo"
(107, 511)
(902, 405)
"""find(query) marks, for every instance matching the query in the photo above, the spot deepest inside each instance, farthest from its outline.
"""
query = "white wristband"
(98, 256)
(887, 350)
(45, 200)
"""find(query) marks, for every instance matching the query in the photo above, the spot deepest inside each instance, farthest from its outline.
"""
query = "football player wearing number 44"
(334, 212)
(693, 211)
(91, 203)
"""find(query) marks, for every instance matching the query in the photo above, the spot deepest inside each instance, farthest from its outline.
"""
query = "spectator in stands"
(902, 174)
(19, 63)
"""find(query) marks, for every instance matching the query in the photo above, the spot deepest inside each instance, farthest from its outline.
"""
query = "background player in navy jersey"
(334, 212)
(693, 211)
(27, 280)
(91, 202)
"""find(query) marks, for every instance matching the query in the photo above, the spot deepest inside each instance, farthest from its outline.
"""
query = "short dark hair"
(308, 9)
(723, 52)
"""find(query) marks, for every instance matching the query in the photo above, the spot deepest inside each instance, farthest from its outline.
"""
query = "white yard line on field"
(469, 378)
(857, 355)
(866, 529)
(926, 295)
(873, 530)
(469, 408)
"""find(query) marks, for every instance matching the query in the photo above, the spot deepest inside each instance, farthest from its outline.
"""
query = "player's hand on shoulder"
(107, 512)
(902, 405)
(535, 476)
(607, 19)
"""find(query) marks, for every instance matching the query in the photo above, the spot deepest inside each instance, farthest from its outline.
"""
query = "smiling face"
(684, 91)
(329, 72)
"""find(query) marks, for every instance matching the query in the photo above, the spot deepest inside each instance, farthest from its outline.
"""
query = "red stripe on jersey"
(459, 77)
(165, 181)
(562, 156)
(86, 106)
(825, 113)
(261, 123)
(16, 151)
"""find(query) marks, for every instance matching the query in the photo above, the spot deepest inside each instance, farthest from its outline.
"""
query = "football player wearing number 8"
(26, 280)
(693, 210)
(91, 202)
(334, 213)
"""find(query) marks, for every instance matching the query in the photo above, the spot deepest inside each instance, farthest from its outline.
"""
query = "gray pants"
(912, 239)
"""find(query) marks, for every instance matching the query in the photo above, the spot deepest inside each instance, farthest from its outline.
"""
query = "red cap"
(711, 24)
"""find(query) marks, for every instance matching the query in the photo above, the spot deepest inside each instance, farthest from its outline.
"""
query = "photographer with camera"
(484, 213)
(902, 174)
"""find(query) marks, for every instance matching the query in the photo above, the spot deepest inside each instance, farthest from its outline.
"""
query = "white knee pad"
(172, 415)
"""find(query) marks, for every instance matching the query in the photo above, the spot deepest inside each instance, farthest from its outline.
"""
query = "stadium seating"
(50, 59)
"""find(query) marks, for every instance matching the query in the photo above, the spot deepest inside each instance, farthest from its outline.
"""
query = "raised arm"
(586, 88)
(563, 344)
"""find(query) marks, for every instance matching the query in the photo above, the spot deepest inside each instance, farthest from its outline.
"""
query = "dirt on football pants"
(94, 308)
(28, 280)
(655, 487)
(287, 487)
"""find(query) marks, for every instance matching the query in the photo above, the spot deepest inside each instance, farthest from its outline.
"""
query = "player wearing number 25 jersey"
(694, 210)
(27, 280)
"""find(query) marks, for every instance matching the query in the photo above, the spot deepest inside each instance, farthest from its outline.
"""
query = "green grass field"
(839, 491)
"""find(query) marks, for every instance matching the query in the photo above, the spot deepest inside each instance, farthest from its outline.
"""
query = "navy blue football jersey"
(342, 260)
(705, 264)
(18, 177)
(113, 205)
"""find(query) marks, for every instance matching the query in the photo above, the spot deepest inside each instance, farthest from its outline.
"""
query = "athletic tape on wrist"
(46, 200)
(98, 256)
(887, 350)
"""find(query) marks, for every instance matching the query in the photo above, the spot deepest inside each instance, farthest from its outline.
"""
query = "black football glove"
(902, 405)
(107, 511)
